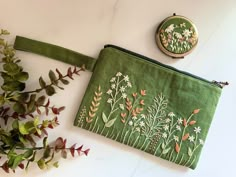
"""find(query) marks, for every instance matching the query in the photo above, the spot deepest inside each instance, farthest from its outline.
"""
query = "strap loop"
(54, 52)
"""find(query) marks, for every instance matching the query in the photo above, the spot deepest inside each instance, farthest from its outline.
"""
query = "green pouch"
(140, 102)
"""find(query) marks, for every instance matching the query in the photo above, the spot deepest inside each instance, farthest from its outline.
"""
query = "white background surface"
(85, 26)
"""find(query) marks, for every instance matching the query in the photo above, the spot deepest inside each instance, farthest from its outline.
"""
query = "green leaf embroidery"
(165, 151)
(110, 122)
(104, 118)
(163, 146)
(190, 152)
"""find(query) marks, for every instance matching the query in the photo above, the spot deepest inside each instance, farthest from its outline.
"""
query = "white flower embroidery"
(129, 84)
(178, 35)
(109, 91)
(166, 127)
(126, 78)
(182, 25)
(119, 74)
(113, 86)
(122, 107)
(142, 124)
(176, 138)
(187, 33)
(179, 121)
(170, 28)
(138, 129)
(113, 79)
(201, 141)
(143, 116)
(171, 114)
(168, 120)
(164, 135)
(197, 129)
(191, 138)
(134, 118)
(122, 89)
(124, 95)
(109, 100)
(130, 123)
(178, 127)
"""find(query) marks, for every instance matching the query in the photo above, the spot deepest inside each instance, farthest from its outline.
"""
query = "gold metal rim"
(159, 44)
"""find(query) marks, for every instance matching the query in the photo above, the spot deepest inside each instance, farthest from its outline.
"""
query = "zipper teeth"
(161, 64)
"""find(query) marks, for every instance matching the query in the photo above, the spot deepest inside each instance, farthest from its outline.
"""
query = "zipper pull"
(220, 84)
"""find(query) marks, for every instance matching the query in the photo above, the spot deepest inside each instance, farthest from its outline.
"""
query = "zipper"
(215, 83)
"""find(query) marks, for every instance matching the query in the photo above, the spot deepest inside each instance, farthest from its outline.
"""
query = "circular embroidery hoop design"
(176, 36)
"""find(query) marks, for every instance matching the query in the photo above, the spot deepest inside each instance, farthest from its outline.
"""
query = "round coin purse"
(176, 36)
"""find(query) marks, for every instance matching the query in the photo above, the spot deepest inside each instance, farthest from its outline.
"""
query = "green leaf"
(41, 164)
(23, 97)
(42, 83)
(17, 161)
(104, 118)
(50, 90)
(11, 68)
(22, 129)
(15, 124)
(13, 86)
(6, 77)
(30, 127)
(28, 153)
(165, 151)
(22, 76)
(56, 164)
(64, 81)
(45, 142)
(190, 152)
(110, 122)
(19, 108)
(30, 160)
(163, 146)
(52, 77)
(2, 100)
(41, 100)
(47, 152)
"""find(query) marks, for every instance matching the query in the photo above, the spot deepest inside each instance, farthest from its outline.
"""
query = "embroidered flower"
(129, 84)
(201, 141)
(178, 127)
(109, 91)
(168, 120)
(126, 78)
(118, 74)
(134, 118)
(130, 123)
(176, 138)
(180, 120)
(142, 124)
(164, 135)
(143, 92)
(113, 79)
(124, 95)
(143, 116)
(187, 33)
(142, 102)
(182, 25)
(138, 129)
(166, 127)
(113, 86)
(122, 89)
(170, 28)
(122, 107)
(197, 129)
(178, 35)
(191, 138)
(109, 100)
(171, 114)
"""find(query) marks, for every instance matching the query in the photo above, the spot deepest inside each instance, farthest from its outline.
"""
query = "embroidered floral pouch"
(140, 102)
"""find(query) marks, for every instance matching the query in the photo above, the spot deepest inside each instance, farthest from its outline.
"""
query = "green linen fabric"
(147, 105)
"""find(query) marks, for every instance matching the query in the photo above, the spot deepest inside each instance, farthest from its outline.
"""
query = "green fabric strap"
(55, 52)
